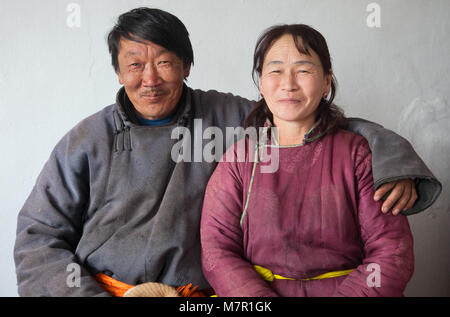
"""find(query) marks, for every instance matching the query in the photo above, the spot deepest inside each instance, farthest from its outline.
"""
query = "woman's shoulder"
(350, 138)
(351, 145)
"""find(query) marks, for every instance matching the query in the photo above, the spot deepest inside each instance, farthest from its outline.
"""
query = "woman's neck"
(292, 132)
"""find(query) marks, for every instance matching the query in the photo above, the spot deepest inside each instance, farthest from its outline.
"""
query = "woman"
(310, 227)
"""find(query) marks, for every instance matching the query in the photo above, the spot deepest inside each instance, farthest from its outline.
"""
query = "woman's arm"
(223, 263)
(388, 244)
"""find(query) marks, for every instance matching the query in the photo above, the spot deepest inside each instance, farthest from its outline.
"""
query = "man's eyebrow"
(162, 51)
(135, 53)
(131, 53)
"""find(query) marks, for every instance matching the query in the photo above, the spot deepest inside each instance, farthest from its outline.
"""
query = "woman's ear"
(328, 80)
(260, 88)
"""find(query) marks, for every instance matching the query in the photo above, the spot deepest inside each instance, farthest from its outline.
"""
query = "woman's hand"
(403, 195)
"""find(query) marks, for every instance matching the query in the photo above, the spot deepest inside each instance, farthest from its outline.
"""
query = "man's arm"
(393, 160)
(399, 195)
(400, 175)
(50, 226)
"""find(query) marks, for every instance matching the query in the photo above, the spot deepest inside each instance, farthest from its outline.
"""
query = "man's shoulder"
(93, 129)
(98, 120)
(214, 98)
(219, 108)
(213, 93)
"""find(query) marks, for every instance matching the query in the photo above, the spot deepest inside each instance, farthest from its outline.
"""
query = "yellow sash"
(267, 274)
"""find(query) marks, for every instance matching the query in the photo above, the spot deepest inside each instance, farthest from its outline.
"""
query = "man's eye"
(275, 72)
(134, 65)
(163, 63)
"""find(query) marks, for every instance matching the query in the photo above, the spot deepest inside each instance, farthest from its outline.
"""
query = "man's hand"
(403, 195)
(152, 289)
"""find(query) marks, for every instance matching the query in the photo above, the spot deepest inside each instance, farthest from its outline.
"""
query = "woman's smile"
(290, 100)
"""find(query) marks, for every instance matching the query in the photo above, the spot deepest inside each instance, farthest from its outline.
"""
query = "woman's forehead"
(286, 48)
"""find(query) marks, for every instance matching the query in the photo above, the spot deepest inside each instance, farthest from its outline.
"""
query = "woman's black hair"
(154, 25)
(305, 38)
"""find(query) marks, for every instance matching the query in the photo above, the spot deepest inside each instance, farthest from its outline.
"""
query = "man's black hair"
(154, 25)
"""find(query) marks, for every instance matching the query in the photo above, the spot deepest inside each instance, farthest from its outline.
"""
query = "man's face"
(152, 77)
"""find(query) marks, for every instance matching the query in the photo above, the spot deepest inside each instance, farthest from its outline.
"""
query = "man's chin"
(153, 111)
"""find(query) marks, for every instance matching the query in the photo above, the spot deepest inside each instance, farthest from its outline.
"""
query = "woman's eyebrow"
(303, 62)
(274, 62)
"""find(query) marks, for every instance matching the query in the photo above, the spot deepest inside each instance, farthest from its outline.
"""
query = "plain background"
(53, 75)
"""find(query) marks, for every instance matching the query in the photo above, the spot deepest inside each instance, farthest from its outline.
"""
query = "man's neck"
(156, 122)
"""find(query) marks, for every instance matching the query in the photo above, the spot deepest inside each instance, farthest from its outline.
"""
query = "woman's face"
(292, 83)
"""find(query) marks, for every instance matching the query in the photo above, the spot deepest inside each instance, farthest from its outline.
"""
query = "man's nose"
(150, 76)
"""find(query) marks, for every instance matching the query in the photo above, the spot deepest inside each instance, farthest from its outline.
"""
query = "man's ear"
(119, 76)
(187, 71)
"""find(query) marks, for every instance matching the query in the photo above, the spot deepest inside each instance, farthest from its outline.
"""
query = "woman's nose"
(289, 82)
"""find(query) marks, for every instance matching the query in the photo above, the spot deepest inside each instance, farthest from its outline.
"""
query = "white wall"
(52, 76)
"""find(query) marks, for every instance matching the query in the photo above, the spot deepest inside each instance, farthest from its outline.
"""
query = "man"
(112, 200)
